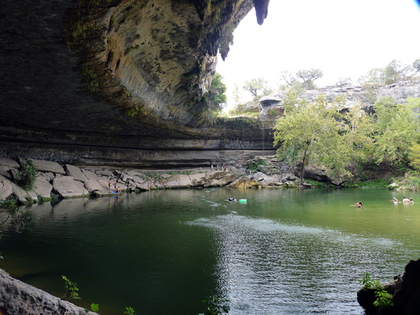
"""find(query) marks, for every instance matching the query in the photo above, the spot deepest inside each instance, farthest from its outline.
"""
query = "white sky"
(342, 38)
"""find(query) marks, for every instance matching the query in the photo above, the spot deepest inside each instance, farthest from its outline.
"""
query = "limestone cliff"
(116, 73)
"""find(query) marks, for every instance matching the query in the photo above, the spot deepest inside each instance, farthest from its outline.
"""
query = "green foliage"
(414, 155)
(315, 183)
(129, 311)
(90, 79)
(156, 176)
(393, 72)
(20, 220)
(306, 77)
(383, 298)
(94, 307)
(71, 288)
(217, 306)
(10, 203)
(261, 162)
(26, 175)
(396, 130)
(216, 97)
(319, 132)
(367, 281)
(257, 87)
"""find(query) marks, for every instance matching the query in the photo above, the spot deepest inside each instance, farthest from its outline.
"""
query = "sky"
(342, 38)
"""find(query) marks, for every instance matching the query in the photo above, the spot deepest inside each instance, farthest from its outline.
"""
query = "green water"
(285, 251)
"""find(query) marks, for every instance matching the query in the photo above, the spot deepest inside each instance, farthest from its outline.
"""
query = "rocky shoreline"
(69, 181)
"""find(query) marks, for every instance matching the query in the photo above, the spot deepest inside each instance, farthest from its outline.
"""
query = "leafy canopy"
(396, 129)
(320, 132)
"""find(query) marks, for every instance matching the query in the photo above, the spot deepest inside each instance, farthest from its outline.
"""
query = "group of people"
(217, 166)
(116, 188)
(405, 200)
(395, 200)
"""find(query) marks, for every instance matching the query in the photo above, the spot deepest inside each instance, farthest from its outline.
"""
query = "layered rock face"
(272, 105)
(115, 73)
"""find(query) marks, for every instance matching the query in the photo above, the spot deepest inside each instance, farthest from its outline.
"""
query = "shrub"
(26, 175)
(315, 183)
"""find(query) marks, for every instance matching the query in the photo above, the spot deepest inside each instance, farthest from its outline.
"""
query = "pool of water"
(286, 251)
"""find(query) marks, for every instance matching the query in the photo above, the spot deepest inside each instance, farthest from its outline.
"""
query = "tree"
(306, 77)
(319, 132)
(309, 76)
(256, 87)
(216, 97)
(393, 72)
(396, 129)
(343, 81)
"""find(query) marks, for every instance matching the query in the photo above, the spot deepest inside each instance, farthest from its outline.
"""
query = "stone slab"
(5, 188)
(67, 187)
(75, 172)
(9, 163)
(42, 187)
(48, 166)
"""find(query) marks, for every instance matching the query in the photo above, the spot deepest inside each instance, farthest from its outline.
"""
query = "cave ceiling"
(112, 71)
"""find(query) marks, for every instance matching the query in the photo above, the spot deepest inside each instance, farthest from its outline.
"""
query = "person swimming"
(395, 200)
(359, 204)
(232, 199)
(406, 200)
(411, 200)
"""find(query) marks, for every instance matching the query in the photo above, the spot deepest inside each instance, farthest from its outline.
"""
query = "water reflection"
(266, 267)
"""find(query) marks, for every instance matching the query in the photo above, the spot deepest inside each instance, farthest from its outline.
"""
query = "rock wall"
(120, 73)
(272, 105)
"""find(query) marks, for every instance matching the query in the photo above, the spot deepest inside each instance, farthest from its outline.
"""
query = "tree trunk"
(302, 168)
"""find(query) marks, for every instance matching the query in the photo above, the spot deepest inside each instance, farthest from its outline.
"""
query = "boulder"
(9, 163)
(48, 166)
(407, 298)
(21, 298)
(197, 179)
(42, 187)
(93, 185)
(21, 195)
(4, 171)
(178, 181)
(5, 188)
(90, 175)
(220, 179)
(67, 187)
(75, 172)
